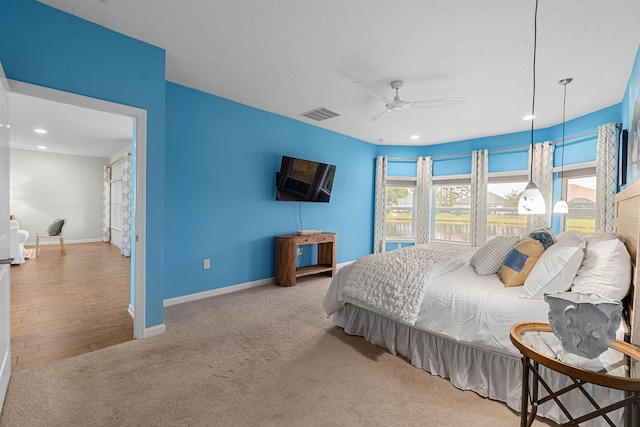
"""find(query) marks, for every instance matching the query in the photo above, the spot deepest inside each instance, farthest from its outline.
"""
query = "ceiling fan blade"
(435, 103)
(371, 91)
(381, 115)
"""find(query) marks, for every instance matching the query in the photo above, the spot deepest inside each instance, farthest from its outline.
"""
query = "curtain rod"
(498, 150)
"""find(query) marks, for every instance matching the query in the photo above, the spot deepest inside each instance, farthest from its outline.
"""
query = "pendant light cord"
(533, 101)
(564, 109)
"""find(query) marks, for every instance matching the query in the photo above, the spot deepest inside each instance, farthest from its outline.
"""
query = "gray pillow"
(56, 227)
(489, 258)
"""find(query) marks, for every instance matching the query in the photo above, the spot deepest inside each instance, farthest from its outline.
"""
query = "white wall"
(46, 186)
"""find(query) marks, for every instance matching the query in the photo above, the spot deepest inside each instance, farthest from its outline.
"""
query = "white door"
(5, 327)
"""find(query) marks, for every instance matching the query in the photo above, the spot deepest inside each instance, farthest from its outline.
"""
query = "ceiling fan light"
(561, 207)
(531, 201)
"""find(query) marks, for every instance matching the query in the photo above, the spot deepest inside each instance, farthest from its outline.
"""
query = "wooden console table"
(286, 252)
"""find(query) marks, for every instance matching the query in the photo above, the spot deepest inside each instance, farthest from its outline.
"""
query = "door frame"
(140, 117)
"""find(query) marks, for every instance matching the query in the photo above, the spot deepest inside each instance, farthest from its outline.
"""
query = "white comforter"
(394, 283)
(463, 306)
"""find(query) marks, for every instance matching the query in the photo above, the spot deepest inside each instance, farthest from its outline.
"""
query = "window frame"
(402, 182)
(115, 204)
(506, 177)
(578, 170)
(446, 180)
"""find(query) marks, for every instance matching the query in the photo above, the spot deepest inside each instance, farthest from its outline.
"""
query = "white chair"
(17, 239)
(55, 231)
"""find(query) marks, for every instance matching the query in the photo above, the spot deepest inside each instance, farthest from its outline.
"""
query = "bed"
(457, 327)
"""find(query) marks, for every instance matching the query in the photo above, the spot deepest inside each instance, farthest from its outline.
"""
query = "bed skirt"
(490, 374)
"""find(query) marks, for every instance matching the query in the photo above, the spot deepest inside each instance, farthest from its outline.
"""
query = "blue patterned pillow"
(543, 235)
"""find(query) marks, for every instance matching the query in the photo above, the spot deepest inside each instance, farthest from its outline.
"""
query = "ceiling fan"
(398, 104)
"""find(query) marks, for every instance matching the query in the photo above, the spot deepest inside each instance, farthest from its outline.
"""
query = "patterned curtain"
(606, 175)
(478, 201)
(125, 246)
(381, 196)
(106, 204)
(423, 211)
(542, 176)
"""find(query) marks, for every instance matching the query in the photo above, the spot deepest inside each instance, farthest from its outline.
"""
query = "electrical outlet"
(207, 264)
(299, 251)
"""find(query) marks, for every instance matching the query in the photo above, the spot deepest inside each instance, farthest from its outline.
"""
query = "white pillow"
(606, 270)
(556, 268)
(600, 236)
(569, 234)
(489, 258)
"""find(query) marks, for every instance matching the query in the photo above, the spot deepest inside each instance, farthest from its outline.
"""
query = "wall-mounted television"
(302, 180)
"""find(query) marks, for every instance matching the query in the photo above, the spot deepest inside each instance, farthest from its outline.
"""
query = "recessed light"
(41, 147)
(415, 136)
(528, 117)
(40, 130)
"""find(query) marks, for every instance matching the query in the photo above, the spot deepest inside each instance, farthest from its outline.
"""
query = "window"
(116, 204)
(451, 216)
(579, 189)
(503, 193)
(399, 210)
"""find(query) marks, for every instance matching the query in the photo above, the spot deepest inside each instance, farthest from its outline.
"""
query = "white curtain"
(606, 175)
(125, 246)
(381, 196)
(423, 211)
(542, 176)
(478, 200)
(106, 204)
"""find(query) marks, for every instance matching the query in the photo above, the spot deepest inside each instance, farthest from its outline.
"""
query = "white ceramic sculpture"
(586, 324)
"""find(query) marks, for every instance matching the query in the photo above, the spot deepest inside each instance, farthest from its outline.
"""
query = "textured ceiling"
(289, 57)
(70, 129)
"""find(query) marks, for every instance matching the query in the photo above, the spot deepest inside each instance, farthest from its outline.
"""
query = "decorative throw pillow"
(520, 261)
(56, 227)
(556, 268)
(489, 258)
(543, 235)
(606, 270)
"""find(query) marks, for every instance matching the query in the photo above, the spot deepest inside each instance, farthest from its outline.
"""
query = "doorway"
(138, 152)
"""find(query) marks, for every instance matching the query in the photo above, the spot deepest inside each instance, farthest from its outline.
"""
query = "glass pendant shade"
(531, 201)
(561, 207)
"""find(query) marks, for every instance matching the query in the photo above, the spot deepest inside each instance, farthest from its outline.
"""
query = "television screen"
(302, 180)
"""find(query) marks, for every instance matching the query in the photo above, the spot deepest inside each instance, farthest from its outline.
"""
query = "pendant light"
(531, 201)
(561, 206)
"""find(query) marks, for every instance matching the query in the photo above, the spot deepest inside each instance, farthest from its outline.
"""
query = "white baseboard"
(131, 311)
(215, 292)
(228, 289)
(155, 330)
(57, 242)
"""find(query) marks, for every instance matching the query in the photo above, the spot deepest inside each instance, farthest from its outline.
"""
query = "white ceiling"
(289, 57)
(70, 129)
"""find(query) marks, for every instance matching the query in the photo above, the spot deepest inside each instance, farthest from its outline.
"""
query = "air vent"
(320, 114)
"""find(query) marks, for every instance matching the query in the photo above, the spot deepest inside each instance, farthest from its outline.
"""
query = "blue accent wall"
(221, 164)
(44, 46)
(631, 121)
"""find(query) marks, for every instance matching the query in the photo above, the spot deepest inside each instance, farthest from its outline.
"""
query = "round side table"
(621, 370)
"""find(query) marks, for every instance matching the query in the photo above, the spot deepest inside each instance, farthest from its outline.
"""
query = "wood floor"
(66, 305)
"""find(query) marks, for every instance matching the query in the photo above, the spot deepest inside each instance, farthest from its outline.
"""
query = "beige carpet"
(261, 357)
